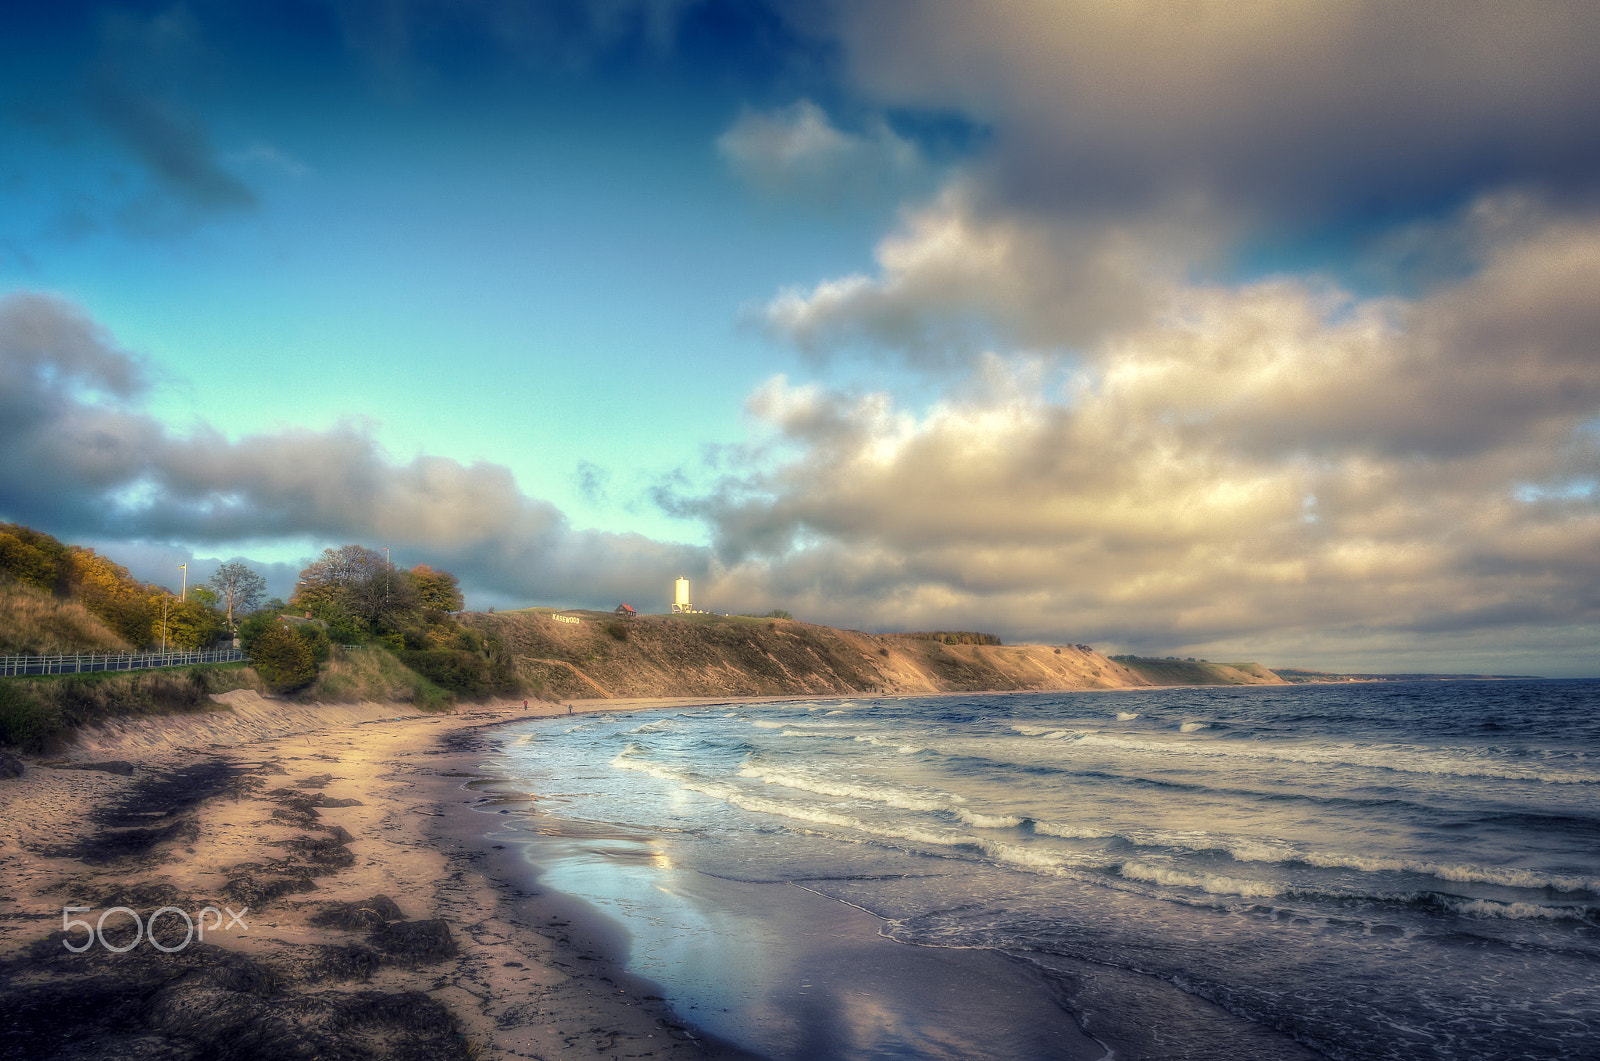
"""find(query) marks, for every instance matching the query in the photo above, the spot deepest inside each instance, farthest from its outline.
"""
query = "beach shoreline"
(310, 812)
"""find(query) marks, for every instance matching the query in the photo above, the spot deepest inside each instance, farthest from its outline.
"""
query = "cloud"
(1244, 465)
(174, 145)
(135, 95)
(81, 457)
(1278, 115)
(796, 152)
(956, 277)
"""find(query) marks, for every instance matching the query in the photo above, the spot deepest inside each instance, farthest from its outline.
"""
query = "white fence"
(102, 661)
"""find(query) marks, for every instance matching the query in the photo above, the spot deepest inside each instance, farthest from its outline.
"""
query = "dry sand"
(299, 811)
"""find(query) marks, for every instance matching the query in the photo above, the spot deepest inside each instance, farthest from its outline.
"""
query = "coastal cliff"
(602, 657)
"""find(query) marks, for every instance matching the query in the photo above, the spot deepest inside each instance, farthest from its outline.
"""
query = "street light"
(185, 595)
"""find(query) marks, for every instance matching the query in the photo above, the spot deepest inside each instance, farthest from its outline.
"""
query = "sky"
(1235, 330)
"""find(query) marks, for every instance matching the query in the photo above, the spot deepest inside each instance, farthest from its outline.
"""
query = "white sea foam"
(988, 821)
(1401, 758)
(1191, 727)
(1070, 832)
(1462, 872)
(655, 727)
(762, 723)
(1029, 857)
(1214, 884)
(1521, 911)
(1127, 716)
(892, 797)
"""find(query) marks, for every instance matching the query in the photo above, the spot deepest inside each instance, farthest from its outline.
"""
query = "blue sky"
(1266, 330)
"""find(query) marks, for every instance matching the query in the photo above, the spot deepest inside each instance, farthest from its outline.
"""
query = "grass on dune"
(41, 714)
(355, 674)
(33, 623)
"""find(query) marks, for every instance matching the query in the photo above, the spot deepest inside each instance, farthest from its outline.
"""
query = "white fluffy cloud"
(1386, 449)
(81, 458)
(1250, 468)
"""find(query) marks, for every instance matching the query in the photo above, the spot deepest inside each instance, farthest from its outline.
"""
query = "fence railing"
(11, 666)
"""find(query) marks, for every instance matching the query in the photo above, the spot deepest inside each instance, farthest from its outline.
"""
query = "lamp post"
(185, 595)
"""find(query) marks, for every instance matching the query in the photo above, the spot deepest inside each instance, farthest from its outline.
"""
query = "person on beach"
(524, 705)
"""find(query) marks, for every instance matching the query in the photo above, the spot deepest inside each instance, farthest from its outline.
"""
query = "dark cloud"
(141, 90)
(1276, 114)
(173, 144)
(79, 457)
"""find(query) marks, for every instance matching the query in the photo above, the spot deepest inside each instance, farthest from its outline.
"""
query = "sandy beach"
(372, 919)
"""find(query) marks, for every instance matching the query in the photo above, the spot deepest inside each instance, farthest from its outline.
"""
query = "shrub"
(617, 631)
(28, 723)
(283, 659)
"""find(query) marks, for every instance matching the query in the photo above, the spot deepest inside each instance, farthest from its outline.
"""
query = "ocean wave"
(1211, 883)
(980, 820)
(878, 741)
(1047, 732)
(655, 727)
(1462, 873)
(1488, 908)
(1191, 727)
(1396, 758)
(1071, 832)
(892, 797)
(1127, 716)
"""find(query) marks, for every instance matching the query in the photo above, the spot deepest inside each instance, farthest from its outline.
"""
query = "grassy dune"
(34, 623)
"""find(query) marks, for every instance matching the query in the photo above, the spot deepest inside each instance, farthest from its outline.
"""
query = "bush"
(252, 626)
(451, 668)
(27, 723)
(316, 640)
(617, 631)
(283, 659)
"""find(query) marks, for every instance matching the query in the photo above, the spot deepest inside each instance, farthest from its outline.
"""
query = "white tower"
(680, 596)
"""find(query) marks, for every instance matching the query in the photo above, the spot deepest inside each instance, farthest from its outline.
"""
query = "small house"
(626, 611)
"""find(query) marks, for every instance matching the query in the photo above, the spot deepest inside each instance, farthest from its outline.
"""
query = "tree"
(115, 597)
(328, 579)
(383, 598)
(191, 624)
(34, 558)
(437, 589)
(284, 661)
(238, 588)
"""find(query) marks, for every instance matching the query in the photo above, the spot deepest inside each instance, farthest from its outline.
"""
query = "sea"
(1393, 870)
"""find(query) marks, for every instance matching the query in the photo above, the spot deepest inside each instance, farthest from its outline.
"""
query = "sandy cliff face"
(601, 656)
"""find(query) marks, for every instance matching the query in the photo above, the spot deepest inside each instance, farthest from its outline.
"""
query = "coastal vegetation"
(358, 628)
(355, 629)
(42, 714)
